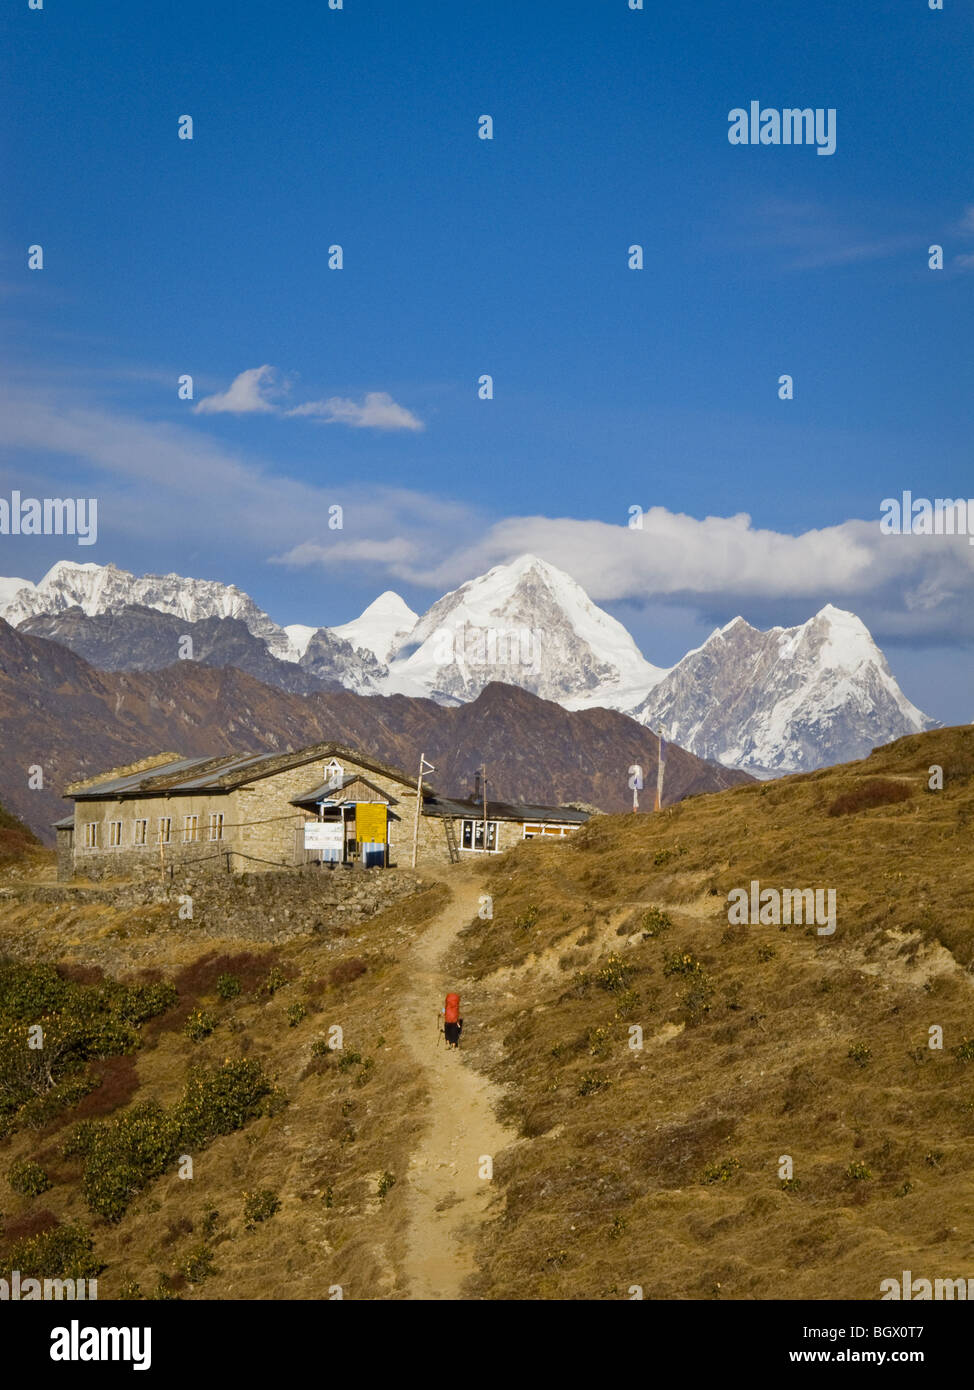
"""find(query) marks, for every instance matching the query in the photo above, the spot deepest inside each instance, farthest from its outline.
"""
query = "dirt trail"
(447, 1197)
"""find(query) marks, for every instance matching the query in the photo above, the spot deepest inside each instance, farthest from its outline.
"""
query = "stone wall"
(275, 906)
(65, 852)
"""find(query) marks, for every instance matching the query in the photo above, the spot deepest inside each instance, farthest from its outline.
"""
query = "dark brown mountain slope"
(61, 714)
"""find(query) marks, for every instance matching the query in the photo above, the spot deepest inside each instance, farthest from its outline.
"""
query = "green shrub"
(28, 1178)
(123, 1154)
(655, 922)
(199, 1025)
(614, 975)
(78, 1022)
(36, 1113)
(697, 999)
(221, 1100)
(682, 963)
(228, 986)
(143, 1002)
(79, 1140)
(590, 1084)
(295, 1014)
(722, 1171)
(964, 1051)
(386, 1182)
(860, 1053)
(259, 1206)
(662, 856)
(598, 1041)
(527, 919)
(627, 1004)
(66, 1252)
(31, 992)
(272, 982)
(349, 1058)
(858, 1172)
(199, 1265)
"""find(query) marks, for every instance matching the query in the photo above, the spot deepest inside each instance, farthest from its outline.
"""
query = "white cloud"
(172, 481)
(378, 411)
(921, 585)
(245, 395)
(174, 485)
(248, 395)
(396, 552)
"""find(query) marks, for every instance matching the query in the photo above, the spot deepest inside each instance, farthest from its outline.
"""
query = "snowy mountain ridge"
(785, 699)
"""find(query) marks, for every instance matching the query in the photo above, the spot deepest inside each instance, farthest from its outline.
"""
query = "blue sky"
(463, 256)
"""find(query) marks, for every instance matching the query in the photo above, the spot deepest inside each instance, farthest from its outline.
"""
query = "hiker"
(452, 1022)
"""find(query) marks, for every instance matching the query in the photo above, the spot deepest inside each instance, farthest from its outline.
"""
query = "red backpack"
(451, 1014)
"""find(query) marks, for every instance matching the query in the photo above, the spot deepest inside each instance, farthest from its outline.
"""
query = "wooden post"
(419, 802)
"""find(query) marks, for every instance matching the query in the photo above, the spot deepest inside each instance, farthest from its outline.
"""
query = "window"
(91, 835)
(216, 825)
(115, 833)
(191, 828)
(334, 775)
(530, 830)
(141, 832)
(165, 829)
(472, 836)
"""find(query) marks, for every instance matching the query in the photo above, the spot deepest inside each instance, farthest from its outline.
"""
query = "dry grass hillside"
(614, 1166)
(297, 1183)
(659, 1167)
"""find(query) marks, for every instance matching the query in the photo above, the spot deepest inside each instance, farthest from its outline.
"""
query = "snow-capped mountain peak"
(382, 628)
(299, 635)
(788, 699)
(106, 589)
(785, 699)
(529, 624)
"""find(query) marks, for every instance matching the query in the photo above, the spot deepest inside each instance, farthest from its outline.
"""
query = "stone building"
(235, 814)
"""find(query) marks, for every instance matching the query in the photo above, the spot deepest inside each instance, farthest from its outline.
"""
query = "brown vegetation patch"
(877, 791)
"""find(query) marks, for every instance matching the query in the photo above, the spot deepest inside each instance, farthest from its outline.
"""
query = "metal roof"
(224, 773)
(66, 823)
(503, 810)
(134, 779)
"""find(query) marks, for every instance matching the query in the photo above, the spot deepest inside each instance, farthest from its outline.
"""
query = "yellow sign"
(370, 822)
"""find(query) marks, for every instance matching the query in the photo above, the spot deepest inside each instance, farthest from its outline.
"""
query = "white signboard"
(322, 834)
